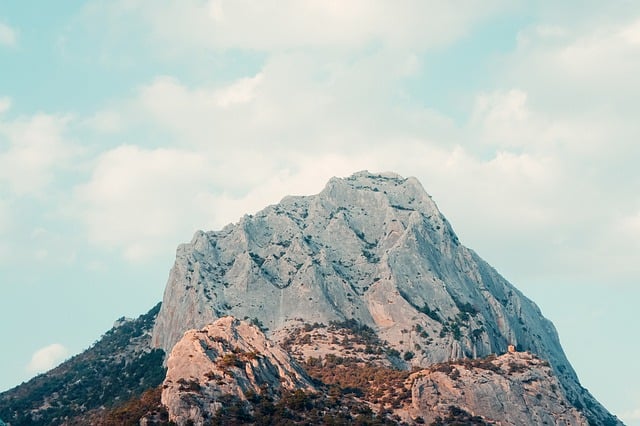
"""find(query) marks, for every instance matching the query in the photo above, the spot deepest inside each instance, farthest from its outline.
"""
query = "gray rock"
(372, 247)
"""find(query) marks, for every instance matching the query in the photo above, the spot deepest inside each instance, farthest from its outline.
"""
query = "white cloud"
(631, 417)
(579, 69)
(568, 102)
(107, 121)
(5, 216)
(36, 149)
(631, 224)
(5, 104)
(46, 358)
(137, 200)
(245, 144)
(504, 117)
(8, 35)
(276, 25)
(143, 202)
(291, 127)
(526, 143)
(296, 100)
(240, 92)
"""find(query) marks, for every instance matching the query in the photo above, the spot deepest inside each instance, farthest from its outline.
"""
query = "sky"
(127, 125)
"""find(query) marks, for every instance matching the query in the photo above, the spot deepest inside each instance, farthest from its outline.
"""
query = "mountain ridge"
(366, 279)
(372, 247)
(240, 256)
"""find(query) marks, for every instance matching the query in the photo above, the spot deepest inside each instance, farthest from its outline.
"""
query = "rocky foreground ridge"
(228, 358)
(228, 371)
(358, 305)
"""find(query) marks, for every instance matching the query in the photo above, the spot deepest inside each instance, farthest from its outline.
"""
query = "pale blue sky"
(127, 125)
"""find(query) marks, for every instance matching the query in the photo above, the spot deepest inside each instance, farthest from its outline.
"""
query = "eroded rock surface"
(370, 247)
(226, 358)
(373, 248)
(513, 389)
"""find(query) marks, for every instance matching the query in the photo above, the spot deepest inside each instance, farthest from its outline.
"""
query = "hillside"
(120, 365)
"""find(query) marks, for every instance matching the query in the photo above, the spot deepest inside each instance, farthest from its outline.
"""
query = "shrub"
(230, 360)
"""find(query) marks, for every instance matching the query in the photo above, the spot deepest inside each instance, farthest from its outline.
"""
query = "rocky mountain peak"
(372, 248)
(357, 304)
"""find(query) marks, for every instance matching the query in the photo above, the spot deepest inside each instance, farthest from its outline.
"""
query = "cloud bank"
(46, 358)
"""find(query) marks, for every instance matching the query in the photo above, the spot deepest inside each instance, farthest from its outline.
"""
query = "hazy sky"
(125, 125)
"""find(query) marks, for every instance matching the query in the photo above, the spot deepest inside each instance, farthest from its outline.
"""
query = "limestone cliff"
(373, 248)
(355, 305)
(370, 247)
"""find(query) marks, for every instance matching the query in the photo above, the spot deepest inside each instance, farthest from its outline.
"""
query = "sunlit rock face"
(512, 389)
(226, 358)
(369, 247)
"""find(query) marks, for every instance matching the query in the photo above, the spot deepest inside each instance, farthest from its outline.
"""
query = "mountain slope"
(512, 389)
(121, 365)
(373, 248)
(229, 371)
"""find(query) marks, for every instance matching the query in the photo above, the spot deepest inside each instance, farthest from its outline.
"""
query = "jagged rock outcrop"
(512, 389)
(232, 364)
(226, 358)
(370, 247)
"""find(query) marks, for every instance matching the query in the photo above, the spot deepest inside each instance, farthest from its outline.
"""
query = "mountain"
(372, 248)
(355, 305)
(514, 388)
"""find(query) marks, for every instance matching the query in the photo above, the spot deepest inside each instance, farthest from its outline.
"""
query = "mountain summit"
(372, 248)
(358, 304)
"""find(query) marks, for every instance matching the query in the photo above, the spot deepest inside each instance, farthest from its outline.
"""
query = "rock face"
(231, 363)
(226, 358)
(513, 389)
(373, 248)
(370, 247)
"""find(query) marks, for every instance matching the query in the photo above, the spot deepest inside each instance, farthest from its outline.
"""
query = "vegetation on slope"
(119, 366)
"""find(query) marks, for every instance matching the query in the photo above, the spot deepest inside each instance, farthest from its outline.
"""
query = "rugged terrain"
(356, 305)
(119, 366)
(226, 358)
(230, 363)
(372, 248)
(512, 389)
